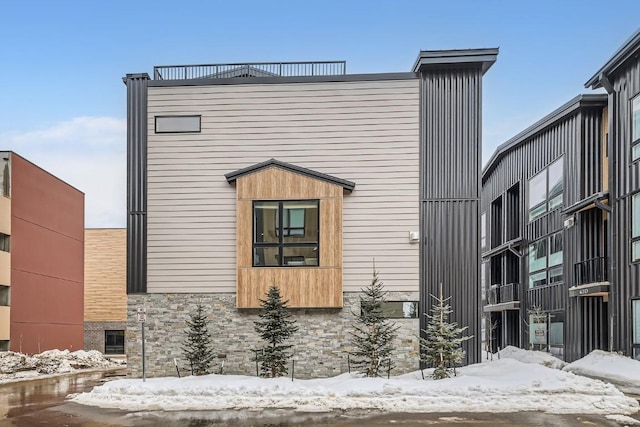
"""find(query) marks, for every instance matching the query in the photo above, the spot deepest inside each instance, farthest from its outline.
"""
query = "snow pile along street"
(505, 385)
(622, 371)
(531, 356)
(14, 366)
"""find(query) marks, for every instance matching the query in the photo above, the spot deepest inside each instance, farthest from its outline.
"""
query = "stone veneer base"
(320, 346)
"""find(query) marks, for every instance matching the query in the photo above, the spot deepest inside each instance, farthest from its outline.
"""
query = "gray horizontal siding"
(366, 132)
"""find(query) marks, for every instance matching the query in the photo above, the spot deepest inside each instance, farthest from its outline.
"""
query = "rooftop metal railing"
(253, 69)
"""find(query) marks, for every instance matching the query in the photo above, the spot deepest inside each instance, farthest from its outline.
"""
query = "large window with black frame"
(545, 190)
(286, 233)
(545, 261)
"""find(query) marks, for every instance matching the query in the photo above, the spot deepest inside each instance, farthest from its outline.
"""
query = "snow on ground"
(17, 366)
(505, 385)
(531, 356)
(622, 371)
(623, 420)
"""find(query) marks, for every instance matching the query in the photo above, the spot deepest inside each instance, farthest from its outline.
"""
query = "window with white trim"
(546, 189)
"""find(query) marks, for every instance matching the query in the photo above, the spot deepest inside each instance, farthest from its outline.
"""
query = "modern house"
(41, 259)
(241, 176)
(560, 220)
(105, 290)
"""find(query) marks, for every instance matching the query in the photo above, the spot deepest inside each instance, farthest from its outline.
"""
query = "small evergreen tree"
(373, 335)
(275, 328)
(197, 344)
(442, 344)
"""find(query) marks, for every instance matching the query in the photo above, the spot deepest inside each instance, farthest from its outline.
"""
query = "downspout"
(606, 84)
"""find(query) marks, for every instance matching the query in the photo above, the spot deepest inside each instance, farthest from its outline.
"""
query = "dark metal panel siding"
(451, 102)
(452, 109)
(136, 183)
(450, 229)
(577, 138)
(625, 181)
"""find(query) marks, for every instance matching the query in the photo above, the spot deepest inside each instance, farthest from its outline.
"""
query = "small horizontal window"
(400, 309)
(177, 124)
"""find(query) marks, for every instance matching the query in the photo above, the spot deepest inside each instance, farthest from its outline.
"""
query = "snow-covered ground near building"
(622, 371)
(530, 356)
(17, 366)
(505, 385)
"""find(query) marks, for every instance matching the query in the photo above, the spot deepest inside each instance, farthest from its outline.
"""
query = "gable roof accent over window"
(233, 176)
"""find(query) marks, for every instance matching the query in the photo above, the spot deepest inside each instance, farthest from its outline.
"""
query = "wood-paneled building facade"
(560, 221)
(299, 175)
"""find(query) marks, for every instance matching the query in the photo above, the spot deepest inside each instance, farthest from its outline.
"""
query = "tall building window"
(635, 128)
(5, 242)
(635, 227)
(636, 328)
(545, 261)
(545, 190)
(286, 233)
(483, 230)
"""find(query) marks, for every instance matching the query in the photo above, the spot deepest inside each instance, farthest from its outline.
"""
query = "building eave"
(233, 176)
(577, 103)
(628, 49)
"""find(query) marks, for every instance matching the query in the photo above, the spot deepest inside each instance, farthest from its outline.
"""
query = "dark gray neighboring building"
(559, 225)
(298, 174)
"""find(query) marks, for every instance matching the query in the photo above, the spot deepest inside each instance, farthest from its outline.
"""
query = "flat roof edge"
(290, 79)
(433, 58)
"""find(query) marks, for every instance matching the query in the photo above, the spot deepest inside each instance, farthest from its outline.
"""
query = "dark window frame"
(155, 123)
(633, 239)
(416, 313)
(635, 346)
(546, 202)
(548, 267)
(281, 235)
(108, 348)
(483, 230)
(634, 143)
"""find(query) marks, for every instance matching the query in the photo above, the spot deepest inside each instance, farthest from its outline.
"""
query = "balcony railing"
(253, 69)
(499, 294)
(593, 270)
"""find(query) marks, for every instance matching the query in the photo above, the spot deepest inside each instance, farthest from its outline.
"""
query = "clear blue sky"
(63, 100)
